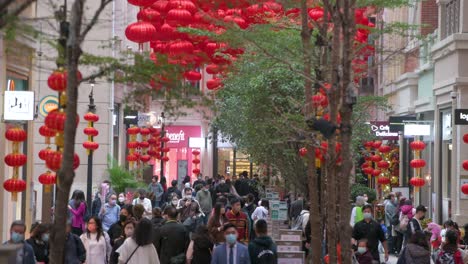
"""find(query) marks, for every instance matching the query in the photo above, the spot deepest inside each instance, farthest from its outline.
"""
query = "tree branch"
(95, 18)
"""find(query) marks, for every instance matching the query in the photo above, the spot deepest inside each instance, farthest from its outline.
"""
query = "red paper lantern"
(195, 152)
(165, 149)
(91, 117)
(54, 161)
(365, 165)
(140, 32)
(48, 179)
(464, 188)
(193, 76)
(376, 158)
(14, 186)
(145, 158)
(181, 47)
(376, 144)
(45, 131)
(133, 130)
(376, 173)
(152, 141)
(151, 152)
(383, 164)
(384, 149)
(149, 15)
(145, 131)
(383, 180)
(144, 144)
(368, 170)
(368, 144)
(141, 2)
(213, 84)
(57, 80)
(319, 99)
(165, 158)
(132, 157)
(90, 145)
(417, 145)
(196, 171)
(15, 159)
(165, 139)
(417, 182)
(132, 145)
(196, 161)
(302, 152)
(465, 138)
(316, 13)
(212, 69)
(417, 163)
(178, 17)
(465, 165)
(15, 134)
(56, 120)
(44, 153)
(90, 131)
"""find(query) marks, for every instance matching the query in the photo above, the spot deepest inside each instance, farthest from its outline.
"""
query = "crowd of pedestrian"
(215, 220)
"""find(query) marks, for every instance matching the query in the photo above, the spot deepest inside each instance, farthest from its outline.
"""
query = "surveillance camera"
(453, 95)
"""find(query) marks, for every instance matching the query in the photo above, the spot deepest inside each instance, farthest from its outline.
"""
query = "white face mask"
(188, 196)
(121, 199)
(361, 250)
(174, 202)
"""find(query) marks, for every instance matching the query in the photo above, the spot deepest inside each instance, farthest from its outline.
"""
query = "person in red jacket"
(240, 220)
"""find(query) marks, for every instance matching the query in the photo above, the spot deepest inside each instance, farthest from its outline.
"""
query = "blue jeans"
(206, 217)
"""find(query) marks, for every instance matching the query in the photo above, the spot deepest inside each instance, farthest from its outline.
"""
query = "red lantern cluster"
(302, 152)
(57, 81)
(48, 179)
(417, 163)
(196, 162)
(16, 160)
(91, 132)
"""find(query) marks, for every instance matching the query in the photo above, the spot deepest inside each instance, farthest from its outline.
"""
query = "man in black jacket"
(415, 223)
(171, 240)
(167, 196)
(262, 249)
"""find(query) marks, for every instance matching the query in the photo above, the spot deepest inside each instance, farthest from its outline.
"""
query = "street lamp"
(163, 133)
(89, 181)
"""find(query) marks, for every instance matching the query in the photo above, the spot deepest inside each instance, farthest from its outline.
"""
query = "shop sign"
(417, 130)
(19, 106)
(461, 117)
(179, 135)
(47, 104)
(381, 129)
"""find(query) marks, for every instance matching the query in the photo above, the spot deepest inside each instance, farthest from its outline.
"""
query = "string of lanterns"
(417, 164)
(16, 160)
(196, 162)
(464, 187)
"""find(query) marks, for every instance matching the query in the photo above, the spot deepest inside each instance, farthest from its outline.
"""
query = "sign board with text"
(381, 129)
(461, 117)
(18, 105)
(291, 257)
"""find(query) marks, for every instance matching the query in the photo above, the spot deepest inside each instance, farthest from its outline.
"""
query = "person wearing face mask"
(128, 229)
(75, 253)
(390, 212)
(25, 255)
(188, 207)
(121, 200)
(39, 241)
(362, 254)
(414, 223)
(116, 229)
(96, 242)
(156, 188)
(231, 252)
(199, 181)
(369, 229)
(216, 223)
(222, 189)
(109, 213)
(206, 203)
(167, 196)
(145, 202)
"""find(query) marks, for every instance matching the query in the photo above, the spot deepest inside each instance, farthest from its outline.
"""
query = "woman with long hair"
(139, 248)
(200, 247)
(78, 211)
(450, 252)
(96, 242)
(39, 241)
(216, 224)
(128, 231)
(417, 250)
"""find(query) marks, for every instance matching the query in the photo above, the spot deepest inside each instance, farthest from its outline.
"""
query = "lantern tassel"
(14, 196)
(47, 188)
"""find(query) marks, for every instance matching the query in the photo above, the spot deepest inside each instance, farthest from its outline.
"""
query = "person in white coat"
(96, 242)
(139, 248)
(261, 212)
(145, 202)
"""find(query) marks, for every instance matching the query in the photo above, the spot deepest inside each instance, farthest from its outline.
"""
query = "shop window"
(451, 18)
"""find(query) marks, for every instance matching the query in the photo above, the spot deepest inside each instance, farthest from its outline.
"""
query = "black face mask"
(122, 218)
(422, 217)
(142, 197)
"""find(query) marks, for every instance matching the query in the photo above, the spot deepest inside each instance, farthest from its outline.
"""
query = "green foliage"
(120, 177)
(359, 189)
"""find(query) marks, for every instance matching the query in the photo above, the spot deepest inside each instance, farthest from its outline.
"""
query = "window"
(451, 21)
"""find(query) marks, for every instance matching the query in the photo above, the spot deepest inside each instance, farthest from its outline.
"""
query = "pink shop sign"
(179, 135)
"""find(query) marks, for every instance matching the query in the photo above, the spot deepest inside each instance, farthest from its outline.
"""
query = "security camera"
(453, 95)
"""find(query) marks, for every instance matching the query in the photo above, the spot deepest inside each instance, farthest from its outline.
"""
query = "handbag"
(132, 254)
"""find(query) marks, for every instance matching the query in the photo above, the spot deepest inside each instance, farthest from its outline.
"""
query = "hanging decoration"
(16, 160)
(91, 132)
(132, 145)
(417, 163)
(196, 162)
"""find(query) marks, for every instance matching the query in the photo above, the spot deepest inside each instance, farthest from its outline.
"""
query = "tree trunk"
(66, 174)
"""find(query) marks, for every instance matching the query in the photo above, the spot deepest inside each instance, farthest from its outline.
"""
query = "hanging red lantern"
(316, 13)
(196, 171)
(91, 117)
(376, 173)
(195, 152)
(15, 134)
(213, 84)
(15, 159)
(151, 152)
(318, 99)
(56, 120)
(383, 180)
(384, 149)
(90, 145)
(465, 138)
(149, 15)
(144, 144)
(47, 179)
(165, 139)
(417, 182)
(365, 165)
(132, 157)
(368, 170)
(383, 164)
(178, 17)
(145, 131)
(193, 76)
(140, 32)
(368, 144)
(212, 69)
(196, 161)
(165, 149)
(54, 161)
(417, 145)
(14, 186)
(145, 158)
(90, 131)
(44, 153)
(376, 144)
(302, 152)
(57, 80)
(376, 158)
(417, 163)
(132, 145)
(465, 165)
(45, 131)
(165, 158)
(464, 188)
(133, 130)
(143, 3)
